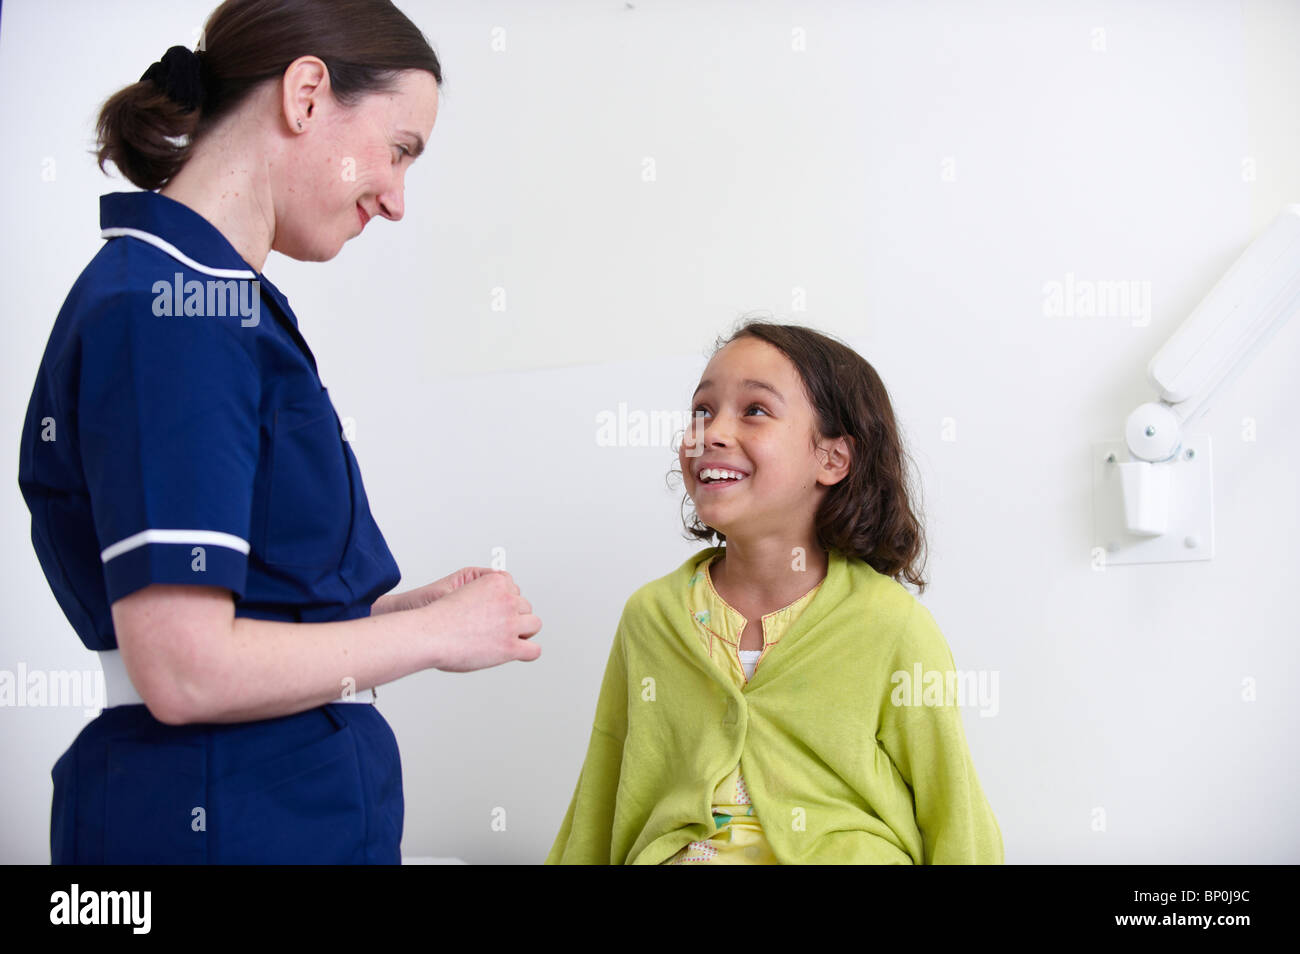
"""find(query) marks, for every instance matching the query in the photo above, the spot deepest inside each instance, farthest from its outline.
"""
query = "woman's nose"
(392, 203)
(391, 207)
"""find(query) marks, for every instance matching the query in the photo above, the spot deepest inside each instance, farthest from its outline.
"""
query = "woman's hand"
(424, 595)
(484, 623)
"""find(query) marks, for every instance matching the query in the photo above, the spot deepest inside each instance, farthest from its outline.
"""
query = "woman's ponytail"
(146, 134)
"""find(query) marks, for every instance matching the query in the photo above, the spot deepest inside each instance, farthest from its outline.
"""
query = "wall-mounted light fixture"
(1153, 493)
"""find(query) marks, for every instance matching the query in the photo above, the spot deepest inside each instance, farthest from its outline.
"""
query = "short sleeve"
(921, 730)
(169, 433)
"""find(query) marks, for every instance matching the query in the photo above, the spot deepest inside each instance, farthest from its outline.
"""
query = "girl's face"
(351, 163)
(752, 417)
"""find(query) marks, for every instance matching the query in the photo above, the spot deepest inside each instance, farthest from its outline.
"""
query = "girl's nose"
(698, 435)
(717, 431)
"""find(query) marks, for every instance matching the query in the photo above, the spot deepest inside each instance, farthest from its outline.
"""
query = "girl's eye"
(701, 410)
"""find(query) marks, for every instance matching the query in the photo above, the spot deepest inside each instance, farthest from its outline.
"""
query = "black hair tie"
(179, 74)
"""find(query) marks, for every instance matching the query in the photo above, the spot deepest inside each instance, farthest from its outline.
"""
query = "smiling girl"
(751, 710)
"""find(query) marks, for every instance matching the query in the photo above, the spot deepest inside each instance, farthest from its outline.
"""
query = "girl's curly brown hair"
(869, 513)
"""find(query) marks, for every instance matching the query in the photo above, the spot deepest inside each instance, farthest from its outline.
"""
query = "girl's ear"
(837, 458)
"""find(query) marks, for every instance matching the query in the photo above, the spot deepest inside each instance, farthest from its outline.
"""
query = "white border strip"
(177, 254)
(211, 537)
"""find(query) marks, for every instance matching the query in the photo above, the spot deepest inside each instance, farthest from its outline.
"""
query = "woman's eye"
(759, 406)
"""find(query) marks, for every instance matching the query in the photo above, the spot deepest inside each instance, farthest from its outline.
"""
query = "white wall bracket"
(1153, 512)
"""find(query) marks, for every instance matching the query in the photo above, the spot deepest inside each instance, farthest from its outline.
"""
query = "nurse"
(195, 507)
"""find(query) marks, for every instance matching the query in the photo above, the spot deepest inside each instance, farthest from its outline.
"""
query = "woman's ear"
(305, 81)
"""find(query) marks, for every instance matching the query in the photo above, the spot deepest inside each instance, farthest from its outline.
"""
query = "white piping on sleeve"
(210, 537)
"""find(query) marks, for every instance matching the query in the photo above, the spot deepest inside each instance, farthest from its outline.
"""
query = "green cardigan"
(837, 772)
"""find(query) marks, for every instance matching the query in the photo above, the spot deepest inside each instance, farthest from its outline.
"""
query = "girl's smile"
(714, 476)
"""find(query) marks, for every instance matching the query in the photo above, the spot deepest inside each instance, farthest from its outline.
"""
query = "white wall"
(920, 171)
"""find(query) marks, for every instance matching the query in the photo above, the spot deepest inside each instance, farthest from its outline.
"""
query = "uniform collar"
(186, 236)
(173, 227)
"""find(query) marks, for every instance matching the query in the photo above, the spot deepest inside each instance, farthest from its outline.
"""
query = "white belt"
(120, 691)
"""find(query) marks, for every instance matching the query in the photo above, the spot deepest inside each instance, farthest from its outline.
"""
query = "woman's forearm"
(273, 668)
(192, 660)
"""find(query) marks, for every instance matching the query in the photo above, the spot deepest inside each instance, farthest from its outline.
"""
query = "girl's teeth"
(715, 474)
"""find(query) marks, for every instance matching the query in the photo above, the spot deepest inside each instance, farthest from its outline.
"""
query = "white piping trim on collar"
(213, 538)
(177, 254)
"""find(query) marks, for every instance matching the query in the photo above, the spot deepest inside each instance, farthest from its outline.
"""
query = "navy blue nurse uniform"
(178, 432)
